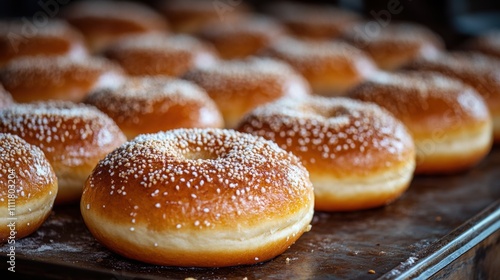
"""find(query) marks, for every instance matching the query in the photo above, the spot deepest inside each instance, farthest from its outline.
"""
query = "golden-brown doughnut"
(487, 43)
(103, 22)
(317, 22)
(74, 137)
(358, 155)
(243, 38)
(21, 38)
(477, 70)
(28, 187)
(188, 16)
(157, 54)
(153, 104)
(394, 45)
(57, 78)
(330, 67)
(239, 86)
(5, 98)
(198, 197)
(449, 121)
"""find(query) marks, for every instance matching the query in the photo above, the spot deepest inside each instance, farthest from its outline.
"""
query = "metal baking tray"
(443, 225)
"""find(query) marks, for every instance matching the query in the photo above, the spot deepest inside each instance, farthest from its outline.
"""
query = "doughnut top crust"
(56, 37)
(197, 179)
(25, 167)
(488, 43)
(69, 134)
(5, 98)
(157, 54)
(424, 100)
(340, 136)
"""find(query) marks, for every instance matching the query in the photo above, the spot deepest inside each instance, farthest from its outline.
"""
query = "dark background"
(454, 20)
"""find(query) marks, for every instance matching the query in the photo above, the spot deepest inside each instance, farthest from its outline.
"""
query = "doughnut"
(317, 22)
(477, 70)
(74, 137)
(198, 197)
(5, 98)
(151, 104)
(243, 38)
(239, 86)
(188, 16)
(395, 44)
(21, 38)
(103, 22)
(157, 54)
(448, 120)
(487, 43)
(57, 78)
(330, 67)
(358, 155)
(28, 187)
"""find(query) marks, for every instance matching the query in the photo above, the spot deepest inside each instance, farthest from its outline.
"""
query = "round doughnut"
(330, 67)
(239, 86)
(5, 98)
(310, 21)
(74, 137)
(21, 38)
(28, 187)
(57, 78)
(188, 16)
(395, 44)
(157, 54)
(103, 22)
(180, 198)
(448, 120)
(358, 155)
(487, 43)
(152, 104)
(243, 38)
(477, 70)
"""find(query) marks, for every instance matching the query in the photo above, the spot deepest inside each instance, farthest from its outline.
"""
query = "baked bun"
(103, 22)
(22, 38)
(180, 198)
(74, 137)
(449, 121)
(237, 87)
(153, 104)
(157, 54)
(57, 78)
(487, 43)
(358, 155)
(318, 22)
(395, 44)
(188, 16)
(5, 98)
(330, 67)
(28, 187)
(479, 71)
(243, 38)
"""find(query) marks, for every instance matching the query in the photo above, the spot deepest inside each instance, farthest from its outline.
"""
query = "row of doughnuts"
(356, 155)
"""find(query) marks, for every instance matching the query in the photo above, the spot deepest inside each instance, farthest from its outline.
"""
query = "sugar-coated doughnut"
(239, 86)
(198, 197)
(487, 43)
(396, 44)
(318, 22)
(449, 121)
(158, 54)
(358, 155)
(153, 104)
(103, 22)
(5, 98)
(480, 71)
(28, 187)
(243, 38)
(330, 67)
(22, 38)
(74, 137)
(188, 16)
(57, 78)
